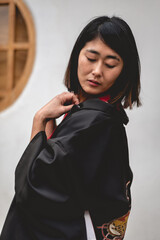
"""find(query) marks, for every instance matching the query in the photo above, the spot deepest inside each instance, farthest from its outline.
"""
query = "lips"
(94, 81)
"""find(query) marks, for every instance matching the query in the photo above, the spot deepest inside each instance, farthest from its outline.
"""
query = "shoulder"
(93, 108)
(90, 113)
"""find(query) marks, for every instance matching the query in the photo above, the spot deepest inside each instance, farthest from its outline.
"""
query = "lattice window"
(17, 49)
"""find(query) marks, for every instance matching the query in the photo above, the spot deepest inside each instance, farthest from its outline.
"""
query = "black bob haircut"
(115, 33)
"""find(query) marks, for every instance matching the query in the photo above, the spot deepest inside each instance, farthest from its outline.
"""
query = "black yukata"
(84, 166)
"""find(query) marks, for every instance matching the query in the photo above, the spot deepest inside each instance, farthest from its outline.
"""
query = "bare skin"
(99, 63)
(44, 119)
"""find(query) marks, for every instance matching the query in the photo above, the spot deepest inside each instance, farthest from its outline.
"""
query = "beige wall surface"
(57, 23)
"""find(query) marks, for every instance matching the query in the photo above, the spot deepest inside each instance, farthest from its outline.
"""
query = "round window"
(17, 49)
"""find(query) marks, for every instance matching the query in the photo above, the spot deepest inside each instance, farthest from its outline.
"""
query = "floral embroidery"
(115, 229)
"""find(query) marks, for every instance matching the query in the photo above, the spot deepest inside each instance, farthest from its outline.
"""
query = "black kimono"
(84, 166)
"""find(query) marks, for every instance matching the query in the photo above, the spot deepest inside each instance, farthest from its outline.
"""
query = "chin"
(92, 91)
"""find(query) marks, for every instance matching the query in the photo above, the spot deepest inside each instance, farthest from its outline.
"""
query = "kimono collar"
(102, 104)
(105, 98)
(118, 107)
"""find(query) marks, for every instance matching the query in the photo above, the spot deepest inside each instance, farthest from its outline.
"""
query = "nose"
(97, 70)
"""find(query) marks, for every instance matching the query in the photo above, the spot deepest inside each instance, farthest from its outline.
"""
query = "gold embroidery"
(115, 229)
(118, 226)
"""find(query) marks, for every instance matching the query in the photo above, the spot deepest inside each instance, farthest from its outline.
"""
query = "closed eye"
(91, 59)
(110, 66)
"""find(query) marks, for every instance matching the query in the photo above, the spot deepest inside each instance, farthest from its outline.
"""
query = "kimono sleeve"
(33, 149)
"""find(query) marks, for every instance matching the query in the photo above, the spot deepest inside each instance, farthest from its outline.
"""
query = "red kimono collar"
(105, 98)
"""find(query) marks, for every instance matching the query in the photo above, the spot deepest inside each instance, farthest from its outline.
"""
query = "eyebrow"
(108, 56)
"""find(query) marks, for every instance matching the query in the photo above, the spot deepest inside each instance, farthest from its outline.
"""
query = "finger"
(67, 97)
(68, 108)
(75, 99)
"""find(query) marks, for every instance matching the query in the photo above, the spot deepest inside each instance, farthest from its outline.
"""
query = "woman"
(82, 164)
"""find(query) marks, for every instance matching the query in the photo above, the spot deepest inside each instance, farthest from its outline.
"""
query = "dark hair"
(116, 33)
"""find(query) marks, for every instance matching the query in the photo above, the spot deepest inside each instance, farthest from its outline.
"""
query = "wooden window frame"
(10, 94)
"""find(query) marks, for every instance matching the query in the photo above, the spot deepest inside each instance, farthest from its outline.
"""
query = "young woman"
(82, 164)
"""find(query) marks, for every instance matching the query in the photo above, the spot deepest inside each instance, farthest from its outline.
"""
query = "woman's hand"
(59, 105)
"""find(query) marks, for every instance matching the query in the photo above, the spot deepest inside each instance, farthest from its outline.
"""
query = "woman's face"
(98, 67)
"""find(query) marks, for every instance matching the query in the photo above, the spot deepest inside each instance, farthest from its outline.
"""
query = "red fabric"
(52, 133)
(105, 98)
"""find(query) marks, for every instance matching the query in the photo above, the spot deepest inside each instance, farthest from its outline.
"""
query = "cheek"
(83, 67)
(115, 74)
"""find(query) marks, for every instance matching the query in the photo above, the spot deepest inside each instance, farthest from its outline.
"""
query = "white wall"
(58, 23)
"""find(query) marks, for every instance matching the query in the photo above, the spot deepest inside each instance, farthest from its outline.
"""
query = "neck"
(84, 96)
